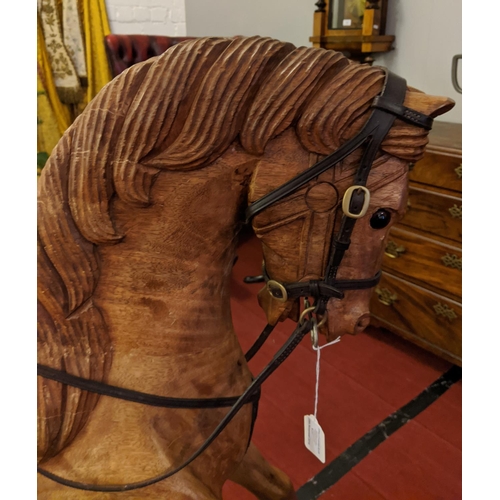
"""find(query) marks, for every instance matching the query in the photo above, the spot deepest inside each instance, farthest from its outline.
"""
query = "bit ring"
(323, 321)
(304, 312)
(277, 291)
(314, 334)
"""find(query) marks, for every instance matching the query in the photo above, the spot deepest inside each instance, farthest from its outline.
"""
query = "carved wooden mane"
(181, 110)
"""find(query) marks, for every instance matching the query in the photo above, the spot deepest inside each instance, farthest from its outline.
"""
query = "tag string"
(318, 355)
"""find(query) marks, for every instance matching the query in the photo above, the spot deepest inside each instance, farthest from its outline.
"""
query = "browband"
(402, 112)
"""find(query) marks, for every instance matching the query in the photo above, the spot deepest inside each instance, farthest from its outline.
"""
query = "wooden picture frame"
(356, 43)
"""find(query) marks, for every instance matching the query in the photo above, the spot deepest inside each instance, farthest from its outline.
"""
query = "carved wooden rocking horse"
(140, 204)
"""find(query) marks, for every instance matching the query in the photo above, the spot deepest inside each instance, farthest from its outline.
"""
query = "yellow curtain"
(96, 27)
(54, 116)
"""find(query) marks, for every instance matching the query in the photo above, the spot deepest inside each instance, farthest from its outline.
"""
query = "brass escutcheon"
(386, 296)
(444, 310)
(452, 261)
(393, 251)
(458, 171)
(456, 211)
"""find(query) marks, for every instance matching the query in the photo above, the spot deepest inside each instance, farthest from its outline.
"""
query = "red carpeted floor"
(363, 380)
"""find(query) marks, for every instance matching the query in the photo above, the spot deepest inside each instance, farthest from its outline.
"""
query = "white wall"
(147, 17)
(428, 34)
(286, 20)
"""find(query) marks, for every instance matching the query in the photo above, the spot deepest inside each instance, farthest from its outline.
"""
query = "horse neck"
(164, 290)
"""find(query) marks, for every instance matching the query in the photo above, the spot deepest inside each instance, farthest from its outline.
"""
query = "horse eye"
(380, 219)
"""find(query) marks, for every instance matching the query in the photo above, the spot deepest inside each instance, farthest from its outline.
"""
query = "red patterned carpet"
(364, 379)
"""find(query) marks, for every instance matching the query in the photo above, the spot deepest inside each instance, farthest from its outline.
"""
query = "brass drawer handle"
(444, 310)
(452, 261)
(393, 251)
(458, 171)
(386, 296)
(456, 211)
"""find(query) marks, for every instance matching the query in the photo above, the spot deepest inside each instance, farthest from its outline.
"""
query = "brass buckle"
(277, 291)
(346, 201)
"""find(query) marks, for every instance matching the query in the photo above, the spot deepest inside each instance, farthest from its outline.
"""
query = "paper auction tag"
(314, 437)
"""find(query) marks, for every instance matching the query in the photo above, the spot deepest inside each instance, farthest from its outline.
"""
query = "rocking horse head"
(141, 202)
(310, 235)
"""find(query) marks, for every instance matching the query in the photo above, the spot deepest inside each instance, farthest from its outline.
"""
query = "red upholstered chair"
(125, 50)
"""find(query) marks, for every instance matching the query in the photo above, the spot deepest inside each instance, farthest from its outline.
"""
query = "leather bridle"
(386, 108)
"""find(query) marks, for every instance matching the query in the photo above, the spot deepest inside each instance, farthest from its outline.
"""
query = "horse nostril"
(362, 323)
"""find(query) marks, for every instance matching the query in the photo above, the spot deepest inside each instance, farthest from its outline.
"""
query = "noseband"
(387, 107)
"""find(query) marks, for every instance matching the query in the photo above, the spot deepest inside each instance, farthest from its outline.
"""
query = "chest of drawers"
(420, 294)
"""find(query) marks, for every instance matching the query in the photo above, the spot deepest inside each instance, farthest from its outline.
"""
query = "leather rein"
(386, 108)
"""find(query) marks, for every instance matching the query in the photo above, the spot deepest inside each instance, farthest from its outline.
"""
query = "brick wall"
(147, 17)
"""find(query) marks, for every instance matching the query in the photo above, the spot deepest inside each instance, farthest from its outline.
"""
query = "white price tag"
(314, 437)
(346, 22)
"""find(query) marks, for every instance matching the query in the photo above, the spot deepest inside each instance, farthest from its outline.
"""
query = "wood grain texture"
(435, 212)
(359, 41)
(431, 233)
(424, 262)
(428, 319)
(139, 211)
(439, 170)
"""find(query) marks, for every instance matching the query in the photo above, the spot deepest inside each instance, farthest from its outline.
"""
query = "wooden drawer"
(426, 261)
(435, 213)
(439, 170)
(426, 318)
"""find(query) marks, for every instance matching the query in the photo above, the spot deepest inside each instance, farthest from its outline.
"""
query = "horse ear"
(430, 105)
